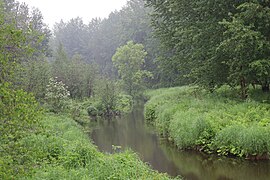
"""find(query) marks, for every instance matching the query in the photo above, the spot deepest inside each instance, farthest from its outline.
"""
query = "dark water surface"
(130, 131)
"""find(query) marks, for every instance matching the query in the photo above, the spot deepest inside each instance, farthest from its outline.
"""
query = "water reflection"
(130, 132)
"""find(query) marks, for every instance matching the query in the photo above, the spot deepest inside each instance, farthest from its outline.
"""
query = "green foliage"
(245, 46)
(109, 100)
(78, 112)
(19, 117)
(34, 77)
(213, 43)
(18, 112)
(30, 22)
(256, 95)
(243, 141)
(59, 150)
(108, 97)
(11, 40)
(189, 34)
(56, 95)
(214, 123)
(63, 151)
(92, 111)
(79, 76)
(129, 60)
(124, 103)
(97, 41)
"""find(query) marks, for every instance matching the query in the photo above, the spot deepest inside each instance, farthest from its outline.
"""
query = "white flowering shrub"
(56, 95)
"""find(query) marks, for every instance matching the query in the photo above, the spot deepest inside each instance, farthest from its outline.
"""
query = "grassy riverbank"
(215, 123)
(64, 151)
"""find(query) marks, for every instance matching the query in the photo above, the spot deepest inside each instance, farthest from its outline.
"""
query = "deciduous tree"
(129, 60)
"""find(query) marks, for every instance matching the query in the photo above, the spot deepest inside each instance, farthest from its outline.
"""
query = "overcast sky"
(55, 10)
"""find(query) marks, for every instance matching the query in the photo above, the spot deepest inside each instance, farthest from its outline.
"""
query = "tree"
(189, 32)
(129, 60)
(246, 46)
(98, 41)
(19, 112)
(73, 35)
(30, 23)
(34, 77)
(74, 72)
(12, 46)
(26, 46)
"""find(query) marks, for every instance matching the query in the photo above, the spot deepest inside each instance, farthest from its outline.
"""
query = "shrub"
(124, 103)
(92, 111)
(56, 95)
(19, 117)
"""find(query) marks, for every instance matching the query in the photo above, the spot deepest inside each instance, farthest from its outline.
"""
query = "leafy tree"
(189, 32)
(129, 60)
(109, 97)
(60, 63)
(246, 46)
(30, 23)
(78, 75)
(81, 77)
(73, 36)
(19, 112)
(213, 42)
(98, 41)
(26, 45)
(33, 76)
(124, 103)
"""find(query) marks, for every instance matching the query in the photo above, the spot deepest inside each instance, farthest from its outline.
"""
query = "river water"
(130, 131)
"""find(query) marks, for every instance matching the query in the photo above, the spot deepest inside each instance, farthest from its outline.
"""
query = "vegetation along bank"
(212, 122)
(61, 150)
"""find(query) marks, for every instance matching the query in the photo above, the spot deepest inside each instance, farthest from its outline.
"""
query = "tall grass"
(64, 151)
(215, 123)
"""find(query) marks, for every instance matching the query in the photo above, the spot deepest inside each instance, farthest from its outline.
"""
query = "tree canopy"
(212, 43)
(129, 60)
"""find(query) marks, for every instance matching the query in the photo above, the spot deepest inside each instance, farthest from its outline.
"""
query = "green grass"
(215, 123)
(64, 151)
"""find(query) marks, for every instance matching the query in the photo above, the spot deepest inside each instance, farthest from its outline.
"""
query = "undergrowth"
(212, 122)
(64, 151)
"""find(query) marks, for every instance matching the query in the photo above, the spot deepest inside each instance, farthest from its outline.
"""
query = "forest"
(201, 67)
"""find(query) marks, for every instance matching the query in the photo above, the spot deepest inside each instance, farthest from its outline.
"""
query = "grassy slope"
(215, 123)
(64, 151)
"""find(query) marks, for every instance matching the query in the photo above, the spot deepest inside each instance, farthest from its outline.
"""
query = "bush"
(124, 103)
(92, 111)
(19, 117)
(56, 95)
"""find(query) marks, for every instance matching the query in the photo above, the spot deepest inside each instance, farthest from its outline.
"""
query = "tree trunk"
(244, 88)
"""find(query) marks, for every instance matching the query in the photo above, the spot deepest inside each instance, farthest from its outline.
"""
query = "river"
(130, 131)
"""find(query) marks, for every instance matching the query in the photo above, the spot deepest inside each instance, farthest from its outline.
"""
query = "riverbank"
(213, 123)
(64, 151)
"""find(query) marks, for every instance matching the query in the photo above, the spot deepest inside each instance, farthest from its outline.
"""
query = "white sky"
(55, 10)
